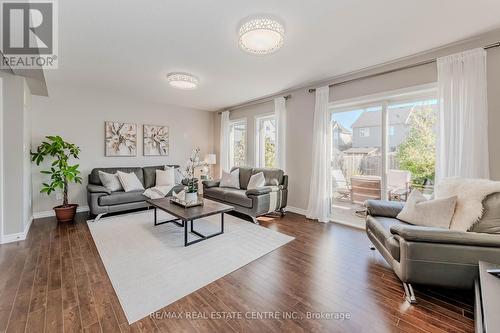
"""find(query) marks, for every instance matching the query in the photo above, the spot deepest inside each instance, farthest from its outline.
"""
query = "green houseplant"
(189, 174)
(61, 172)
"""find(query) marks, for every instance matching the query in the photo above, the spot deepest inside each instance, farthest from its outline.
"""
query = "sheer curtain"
(224, 142)
(462, 147)
(280, 116)
(318, 206)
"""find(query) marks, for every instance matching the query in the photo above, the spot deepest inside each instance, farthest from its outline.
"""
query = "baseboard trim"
(50, 213)
(296, 210)
(303, 212)
(19, 236)
(349, 224)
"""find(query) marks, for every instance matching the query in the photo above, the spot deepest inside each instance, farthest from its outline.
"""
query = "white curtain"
(462, 145)
(280, 116)
(321, 177)
(224, 142)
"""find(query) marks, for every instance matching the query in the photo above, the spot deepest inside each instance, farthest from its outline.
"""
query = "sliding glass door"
(381, 150)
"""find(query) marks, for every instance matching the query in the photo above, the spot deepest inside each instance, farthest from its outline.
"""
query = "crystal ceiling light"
(261, 35)
(182, 80)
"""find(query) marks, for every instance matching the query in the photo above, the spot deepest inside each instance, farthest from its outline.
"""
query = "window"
(238, 142)
(364, 132)
(266, 141)
(371, 160)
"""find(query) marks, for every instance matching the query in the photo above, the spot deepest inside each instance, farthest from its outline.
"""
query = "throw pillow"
(428, 213)
(110, 181)
(130, 182)
(179, 177)
(256, 181)
(230, 179)
(165, 177)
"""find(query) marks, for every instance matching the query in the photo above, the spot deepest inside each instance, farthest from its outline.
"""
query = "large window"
(266, 141)
(383, 147)
(238, 142)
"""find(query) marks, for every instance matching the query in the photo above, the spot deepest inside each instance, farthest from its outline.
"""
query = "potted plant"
(61, 172)
(191, 181)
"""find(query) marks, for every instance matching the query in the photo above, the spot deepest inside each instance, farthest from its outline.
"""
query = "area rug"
(150, 267)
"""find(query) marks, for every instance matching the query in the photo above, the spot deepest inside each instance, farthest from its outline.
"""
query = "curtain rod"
(417, 64)
(255, 103)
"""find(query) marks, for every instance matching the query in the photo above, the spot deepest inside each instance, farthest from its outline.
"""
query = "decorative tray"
(198, 202)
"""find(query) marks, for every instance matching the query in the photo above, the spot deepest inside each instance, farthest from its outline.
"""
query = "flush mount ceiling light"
(182, 80)
(261, 35)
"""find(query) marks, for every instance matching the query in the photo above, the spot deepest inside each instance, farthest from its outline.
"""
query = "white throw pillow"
(165, 177)
(179, 177)
(230, 179)
(256, 181)
(130, 182)
(110, 181)
(428, 213)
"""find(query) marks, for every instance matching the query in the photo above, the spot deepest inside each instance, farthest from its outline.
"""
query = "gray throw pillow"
(490, 220)
(435, 213)
(110, 181)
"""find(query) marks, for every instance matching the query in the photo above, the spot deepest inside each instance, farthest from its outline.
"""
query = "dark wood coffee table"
(185, 216)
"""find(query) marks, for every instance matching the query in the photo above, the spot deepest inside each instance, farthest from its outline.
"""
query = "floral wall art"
(156, 140)
(121, 139)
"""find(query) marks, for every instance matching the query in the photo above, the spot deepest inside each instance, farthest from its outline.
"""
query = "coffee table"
(185, 216)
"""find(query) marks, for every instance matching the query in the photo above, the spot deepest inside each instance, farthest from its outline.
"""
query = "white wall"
(15, 145)
(78, 116)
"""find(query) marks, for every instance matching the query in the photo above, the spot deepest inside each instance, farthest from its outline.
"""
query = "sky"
(348, 118)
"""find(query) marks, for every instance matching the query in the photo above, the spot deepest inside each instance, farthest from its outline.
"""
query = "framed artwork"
(120, 139)
(156, 140)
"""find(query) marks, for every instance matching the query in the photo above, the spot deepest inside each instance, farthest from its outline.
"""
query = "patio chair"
(340, 184)
(398, 184)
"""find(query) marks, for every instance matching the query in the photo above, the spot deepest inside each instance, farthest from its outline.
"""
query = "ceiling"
(128, 47)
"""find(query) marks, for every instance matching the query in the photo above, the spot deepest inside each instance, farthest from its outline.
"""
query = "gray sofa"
(256, 202)
(102, 201)
(434, 256)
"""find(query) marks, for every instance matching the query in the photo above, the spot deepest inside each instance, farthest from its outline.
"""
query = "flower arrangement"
(191, 165)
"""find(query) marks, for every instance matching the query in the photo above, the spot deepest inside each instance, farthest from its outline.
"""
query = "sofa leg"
(372, 247)
(282, 212)
(409, 294)
(254, 220)
(98, 217)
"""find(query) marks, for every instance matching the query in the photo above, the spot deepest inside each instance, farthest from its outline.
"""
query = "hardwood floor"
(55, 281)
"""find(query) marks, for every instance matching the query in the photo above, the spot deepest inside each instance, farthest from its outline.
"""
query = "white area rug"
(150, 268)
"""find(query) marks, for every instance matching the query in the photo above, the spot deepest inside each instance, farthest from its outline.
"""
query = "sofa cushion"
(120, 197)
(274, 177)
(381, 229)
(150, 174)
(245, 174)
(94, 174)
(490, 221)
(229, 195)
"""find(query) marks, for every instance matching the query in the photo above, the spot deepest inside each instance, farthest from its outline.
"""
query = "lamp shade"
(211, 159)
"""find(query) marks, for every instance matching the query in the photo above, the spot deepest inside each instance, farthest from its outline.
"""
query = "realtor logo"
(29, 34)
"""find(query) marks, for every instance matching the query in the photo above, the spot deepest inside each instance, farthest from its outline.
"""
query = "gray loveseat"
(434, 256)
(256, 202)
(102, 201)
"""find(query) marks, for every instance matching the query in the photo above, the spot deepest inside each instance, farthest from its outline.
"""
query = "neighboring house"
(367, 131)
(342, 137)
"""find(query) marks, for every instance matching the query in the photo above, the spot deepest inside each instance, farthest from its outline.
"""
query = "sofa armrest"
(259, 191)
(97, 189)
(383, 208)
(211, 183)
(445, 236)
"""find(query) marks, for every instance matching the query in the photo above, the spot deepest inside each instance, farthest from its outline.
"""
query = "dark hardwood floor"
(55, 281)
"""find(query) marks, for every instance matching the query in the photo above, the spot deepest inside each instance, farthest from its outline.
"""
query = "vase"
(191, 197)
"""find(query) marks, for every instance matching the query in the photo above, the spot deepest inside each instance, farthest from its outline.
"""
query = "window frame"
(259, 158)
(384, 100)
(232, 123)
